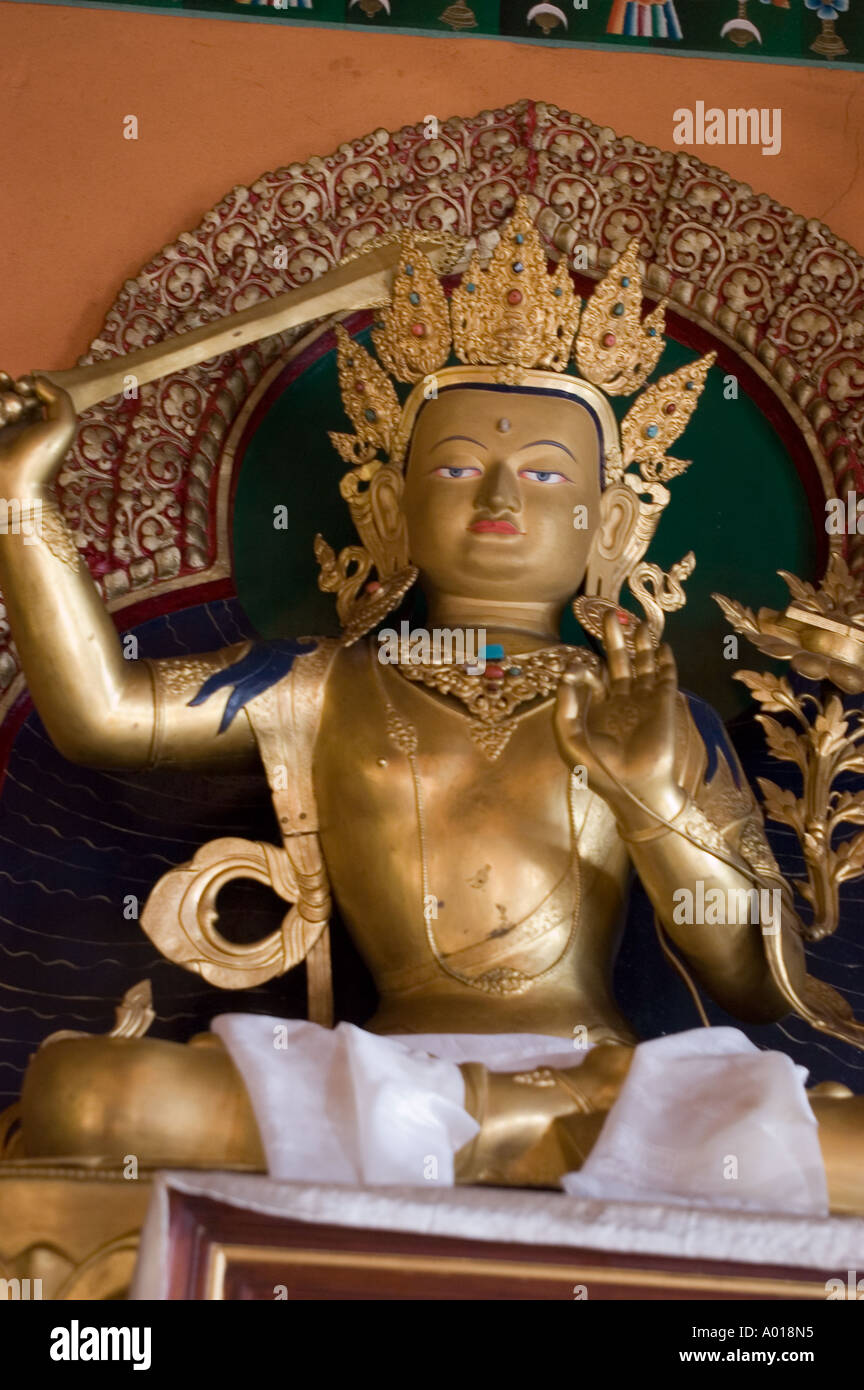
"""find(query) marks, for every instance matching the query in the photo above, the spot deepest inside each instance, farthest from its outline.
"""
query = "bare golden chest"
(449, 855)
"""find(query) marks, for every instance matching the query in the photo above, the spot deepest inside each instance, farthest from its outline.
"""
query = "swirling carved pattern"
(737, 245)
(136, 487)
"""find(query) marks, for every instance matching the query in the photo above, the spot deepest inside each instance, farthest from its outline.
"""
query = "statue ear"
(610, 556)
(388, 520)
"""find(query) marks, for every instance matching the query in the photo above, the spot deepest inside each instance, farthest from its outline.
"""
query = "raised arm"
(98, 707)
(689, 819)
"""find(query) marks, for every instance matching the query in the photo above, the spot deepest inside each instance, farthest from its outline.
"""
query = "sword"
(361, 280)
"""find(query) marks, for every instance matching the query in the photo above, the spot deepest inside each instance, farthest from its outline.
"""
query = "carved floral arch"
(780, 290)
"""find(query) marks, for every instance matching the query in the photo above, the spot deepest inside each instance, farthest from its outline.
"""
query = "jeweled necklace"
(502, 979)
(505, 682)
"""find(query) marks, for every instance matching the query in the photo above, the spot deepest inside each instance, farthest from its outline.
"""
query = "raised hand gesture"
(621, 728)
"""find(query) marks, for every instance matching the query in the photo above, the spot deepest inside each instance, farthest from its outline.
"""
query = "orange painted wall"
(219, 102)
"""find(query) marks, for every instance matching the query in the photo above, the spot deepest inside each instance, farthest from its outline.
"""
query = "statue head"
(505, 478)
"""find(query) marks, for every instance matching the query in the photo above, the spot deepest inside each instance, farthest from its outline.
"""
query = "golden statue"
(475, 812)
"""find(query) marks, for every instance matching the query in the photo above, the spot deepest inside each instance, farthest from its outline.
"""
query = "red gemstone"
(514, 296)
(670, 408)
(623, 618)
(494, 673)
(419, 330)
(360, 386)
(373, 586)
(609, 340)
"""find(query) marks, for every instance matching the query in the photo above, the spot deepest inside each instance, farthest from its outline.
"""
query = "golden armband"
(175, 682)
(691, 824)
(41, 518)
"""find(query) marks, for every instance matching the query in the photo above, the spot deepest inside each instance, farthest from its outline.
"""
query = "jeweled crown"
(515, 317)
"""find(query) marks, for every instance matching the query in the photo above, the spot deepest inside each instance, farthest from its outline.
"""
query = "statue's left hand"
(622, 729)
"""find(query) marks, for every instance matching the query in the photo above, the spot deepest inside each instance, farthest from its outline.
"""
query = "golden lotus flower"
(821, 632)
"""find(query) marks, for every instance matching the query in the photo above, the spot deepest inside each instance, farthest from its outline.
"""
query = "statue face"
(491, 487)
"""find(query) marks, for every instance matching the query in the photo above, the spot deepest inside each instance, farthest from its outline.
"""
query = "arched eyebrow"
(554, 444)
(464, 437)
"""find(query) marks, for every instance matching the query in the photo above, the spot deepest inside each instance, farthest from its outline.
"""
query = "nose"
(499, 491)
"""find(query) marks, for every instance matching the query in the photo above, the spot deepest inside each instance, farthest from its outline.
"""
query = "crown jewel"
(515, 313)
(616, 348)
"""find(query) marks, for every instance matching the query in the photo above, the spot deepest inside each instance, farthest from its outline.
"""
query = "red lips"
(501, 528)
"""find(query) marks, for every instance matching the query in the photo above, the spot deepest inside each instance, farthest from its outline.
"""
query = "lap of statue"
(104, 1100)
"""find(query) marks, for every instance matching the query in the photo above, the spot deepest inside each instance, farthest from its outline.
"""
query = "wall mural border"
(810, 32)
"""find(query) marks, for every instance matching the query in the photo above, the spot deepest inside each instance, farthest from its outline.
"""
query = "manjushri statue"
(477, 823)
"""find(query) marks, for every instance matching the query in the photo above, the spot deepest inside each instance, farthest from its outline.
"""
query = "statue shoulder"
(266, 665)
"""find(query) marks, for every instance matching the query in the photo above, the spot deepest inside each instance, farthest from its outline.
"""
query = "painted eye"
(449, 471)
(543, 475)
